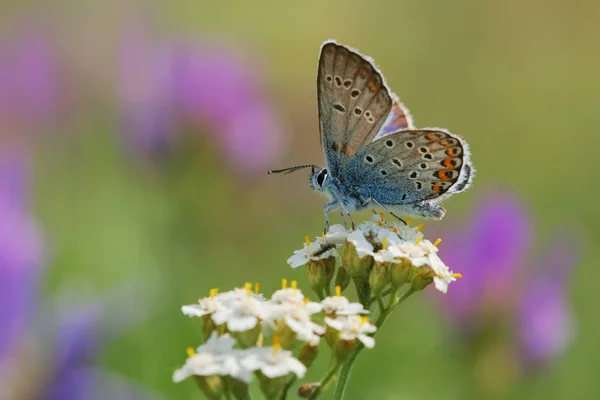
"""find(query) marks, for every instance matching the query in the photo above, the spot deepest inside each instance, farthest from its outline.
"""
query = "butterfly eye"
(321, 177)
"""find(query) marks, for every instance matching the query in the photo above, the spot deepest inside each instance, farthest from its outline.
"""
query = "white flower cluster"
(240, 311)
(219, 357)
(386, 242)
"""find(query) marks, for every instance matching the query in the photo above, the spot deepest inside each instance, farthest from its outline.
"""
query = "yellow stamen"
(438, 241)
(394, 230)
(457, 275)
(363, 319)
(419, 240)
(384, 243)
(190, 352)
(294, 284)
(248, 287)
(276, 344)
(306, 300)
(380, 223)
(381, 215)
(284, 283)
(408, 220)
(420, 227)
(338, 290)
(307, 240)
(256, 287)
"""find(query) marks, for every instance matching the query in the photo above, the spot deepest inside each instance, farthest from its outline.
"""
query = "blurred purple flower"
(499, 285)
(166, 85)
(20, 250)
(29, 83)
(545, 323)
(78, 332)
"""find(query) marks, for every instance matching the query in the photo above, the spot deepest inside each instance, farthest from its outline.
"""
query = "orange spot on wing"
(446, 142)
(448, 163)
(349, 150)
(452, 152)
(372, 85)
(436, 187)
(442, 174)
(431, 137)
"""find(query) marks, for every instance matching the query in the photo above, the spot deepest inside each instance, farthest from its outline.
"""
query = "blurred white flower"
(241, 310)
(340, 305)
(216, 357)
(205, 306)
(321, 248)
(353, 327)
(290, 306)
(273, 362)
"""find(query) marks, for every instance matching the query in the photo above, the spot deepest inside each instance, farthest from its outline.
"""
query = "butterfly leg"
(343, 219)
(344, 208)
(328, 206)
(388, 211)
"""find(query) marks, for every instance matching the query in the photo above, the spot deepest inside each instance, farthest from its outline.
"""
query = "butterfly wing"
(411, 166)
(354, 103)
(398, 119)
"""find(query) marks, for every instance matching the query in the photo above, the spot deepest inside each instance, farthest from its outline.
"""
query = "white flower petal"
(194, 310)
(368, 341)
(241, 323)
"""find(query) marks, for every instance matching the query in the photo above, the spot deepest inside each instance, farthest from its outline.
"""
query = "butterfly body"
(375, 157)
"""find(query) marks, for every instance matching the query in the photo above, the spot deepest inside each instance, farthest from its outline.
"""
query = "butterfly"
(374, 155)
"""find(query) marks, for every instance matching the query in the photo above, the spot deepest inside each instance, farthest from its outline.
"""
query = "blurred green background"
(517, 79)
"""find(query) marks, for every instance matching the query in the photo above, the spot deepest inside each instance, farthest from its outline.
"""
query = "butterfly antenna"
(289, 170)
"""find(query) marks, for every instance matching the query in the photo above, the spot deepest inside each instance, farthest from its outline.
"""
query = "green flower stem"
(326, 379)
(344, 377)
(383, 293)
(380, 304)
(327, 290)
(288, 385)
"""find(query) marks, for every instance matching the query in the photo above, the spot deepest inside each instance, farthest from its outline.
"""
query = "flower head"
(500, 280)
(340, 305)
(166, 85)
(273, 362)
(320, 249)
(353, 327)
(241, 310)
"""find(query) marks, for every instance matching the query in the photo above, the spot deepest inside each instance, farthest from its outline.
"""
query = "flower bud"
(308, 354)
(208, 326)
(272, 388)
(343, 348)
(320, 273)
(355, 266)
(422, 278)
(379, 277)
(401, 273)
(211, 386)
(247, 338)
(308, 389)
(238, 388)
(342, 279)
